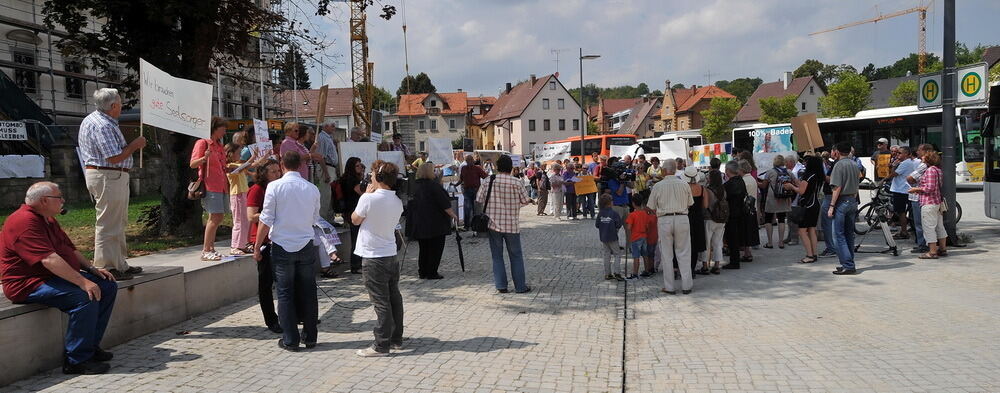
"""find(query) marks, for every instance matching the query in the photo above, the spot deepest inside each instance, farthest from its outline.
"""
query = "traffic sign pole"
(948, 95)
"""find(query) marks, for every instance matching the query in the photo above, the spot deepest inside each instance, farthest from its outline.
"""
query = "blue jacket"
(608, 223)
(618, 200)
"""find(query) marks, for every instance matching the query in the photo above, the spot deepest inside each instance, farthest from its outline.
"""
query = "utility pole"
(948, 88)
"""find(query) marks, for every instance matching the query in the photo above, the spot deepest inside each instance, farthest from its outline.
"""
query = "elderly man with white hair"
(107, 159)
(670, 199)
(39, 264)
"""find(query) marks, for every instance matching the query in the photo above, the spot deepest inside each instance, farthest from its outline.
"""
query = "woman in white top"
(556, 193)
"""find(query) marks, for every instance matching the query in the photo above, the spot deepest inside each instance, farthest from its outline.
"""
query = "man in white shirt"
(291, 206)
(378, 215)
(670, 200)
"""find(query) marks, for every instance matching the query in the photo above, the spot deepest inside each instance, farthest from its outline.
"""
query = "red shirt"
(652, 236)
(215, 177)
(26, 239)
(255, 198)
(470, 175)
(637, 223)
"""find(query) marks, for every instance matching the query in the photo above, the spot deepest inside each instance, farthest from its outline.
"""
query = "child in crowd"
(652, 238)
(637, 222)
(238, 199)
(608, 223)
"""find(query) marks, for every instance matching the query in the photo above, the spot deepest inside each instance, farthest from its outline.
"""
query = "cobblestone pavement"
(901, 325)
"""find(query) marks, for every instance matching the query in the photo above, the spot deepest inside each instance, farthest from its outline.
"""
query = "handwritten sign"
(366, 151)
(552, 151)
(517, 160)
(260, 131)
(174, 104)
(587, 185)
(13, 131)
(439, 151)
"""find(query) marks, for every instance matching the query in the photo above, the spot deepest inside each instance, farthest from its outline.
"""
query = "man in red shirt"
(470, 179)
(39, 264)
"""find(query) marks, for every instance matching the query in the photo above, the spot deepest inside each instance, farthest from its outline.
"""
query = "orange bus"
(601, 144)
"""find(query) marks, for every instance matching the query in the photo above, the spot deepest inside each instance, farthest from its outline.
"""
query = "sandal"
(928, 255)
(236, 252)
(768, 246)
(211, 256)
(808, 259)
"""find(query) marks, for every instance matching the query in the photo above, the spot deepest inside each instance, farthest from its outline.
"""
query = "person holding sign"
(208, 156)
(107, 159)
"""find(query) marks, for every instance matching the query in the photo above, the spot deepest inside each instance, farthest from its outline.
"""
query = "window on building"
(386, 126)
(422, 146)
(546, 125)
(803, 105)
(434, 124)
(451, 123)
(576, 124)
(74, 86)
(421, 125)
(545, 103)
(531, 125)
(434, 103)
(811, 90)
(561, 103)
(552, 85)
(26, 80)
(231, 110)
(562, 124)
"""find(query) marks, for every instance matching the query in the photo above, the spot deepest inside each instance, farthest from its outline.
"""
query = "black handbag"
(481, 222)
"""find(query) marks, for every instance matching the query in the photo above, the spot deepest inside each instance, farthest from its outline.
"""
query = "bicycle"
(880, 209)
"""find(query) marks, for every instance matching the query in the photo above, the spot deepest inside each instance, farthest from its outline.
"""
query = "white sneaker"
(370, 352)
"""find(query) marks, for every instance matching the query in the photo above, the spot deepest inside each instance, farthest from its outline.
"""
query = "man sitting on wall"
(39, 264)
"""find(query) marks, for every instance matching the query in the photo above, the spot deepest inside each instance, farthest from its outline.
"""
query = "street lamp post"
(583, 116)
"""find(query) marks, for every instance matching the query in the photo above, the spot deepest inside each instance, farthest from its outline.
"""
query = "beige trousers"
(110, 191)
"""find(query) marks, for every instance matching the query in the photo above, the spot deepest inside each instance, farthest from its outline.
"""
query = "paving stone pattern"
(773, 326)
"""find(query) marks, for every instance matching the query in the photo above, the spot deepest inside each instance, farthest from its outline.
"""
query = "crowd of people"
(678, 221)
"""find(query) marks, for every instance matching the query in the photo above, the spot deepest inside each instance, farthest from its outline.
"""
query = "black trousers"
(734, 236)
(430, 255)
(265, 281)
(570, 204)
(355, 259)
(381, 276)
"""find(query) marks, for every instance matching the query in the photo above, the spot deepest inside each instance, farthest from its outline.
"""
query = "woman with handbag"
(431, 208)
(932, 206)
(806, 212)
(209, 158)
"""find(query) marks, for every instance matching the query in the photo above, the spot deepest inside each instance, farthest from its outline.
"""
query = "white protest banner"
(552, 151)
(174, 104)
(439, 151)
(260, 131)
(13, 131)
(517, 159)
(15, 166)
(395, 157)
(366, 151)
(621, 151)
(376, 137)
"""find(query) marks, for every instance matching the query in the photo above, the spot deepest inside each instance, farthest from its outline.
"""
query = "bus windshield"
(621, 141)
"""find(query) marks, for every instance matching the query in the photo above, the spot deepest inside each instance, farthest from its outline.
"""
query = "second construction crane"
(361, 68)
(921, 32)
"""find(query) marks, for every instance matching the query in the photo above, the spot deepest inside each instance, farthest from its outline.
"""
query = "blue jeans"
(915, 208)
(295, 284)
(588, 205)
(844, 215)
(88, 319)
(827, 224)
(470, 203)
(513, 241)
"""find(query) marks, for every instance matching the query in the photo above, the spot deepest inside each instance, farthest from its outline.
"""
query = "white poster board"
(621, 151)
(552, 151)
(366, 151)
(674, 149)
(174, 104)
(13, 131)
(260, 131)
(15, 166)
(376, 137)
(395, 157)
(439, 151)
(517, 159)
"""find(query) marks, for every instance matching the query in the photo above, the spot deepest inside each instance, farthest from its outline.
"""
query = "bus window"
(620, 141)
(972, 149)
(574, 148)
(591, 146)
(933, 136)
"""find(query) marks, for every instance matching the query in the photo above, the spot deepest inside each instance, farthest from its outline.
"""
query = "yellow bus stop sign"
(970, 84)
(931, 90)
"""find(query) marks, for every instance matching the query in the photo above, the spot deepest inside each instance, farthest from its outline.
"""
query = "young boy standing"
(637, 225)
(608, 223)
(652, 237)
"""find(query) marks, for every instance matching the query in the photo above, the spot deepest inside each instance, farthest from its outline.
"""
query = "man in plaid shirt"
(503, 208)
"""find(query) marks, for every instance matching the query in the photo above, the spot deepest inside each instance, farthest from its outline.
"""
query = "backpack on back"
(777, 187)
(718, 210)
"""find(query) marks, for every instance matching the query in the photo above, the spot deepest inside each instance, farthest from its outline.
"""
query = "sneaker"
(90, 367)
(281, 344)
(845, 272)
(101, 355)
(396, 347)
(370, 352)
(120, 275)
(645, 274)
(609, 277)
(619, 277)
(632, 277)
(827, 254)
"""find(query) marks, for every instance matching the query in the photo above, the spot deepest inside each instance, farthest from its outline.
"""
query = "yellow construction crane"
(921, 34)
(361, 68)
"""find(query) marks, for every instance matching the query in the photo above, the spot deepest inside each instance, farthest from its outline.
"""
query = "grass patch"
(79, 225)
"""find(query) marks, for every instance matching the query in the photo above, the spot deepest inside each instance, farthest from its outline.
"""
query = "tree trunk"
(178, 215)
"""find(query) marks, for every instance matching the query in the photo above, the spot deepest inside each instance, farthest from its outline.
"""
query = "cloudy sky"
(478, 45)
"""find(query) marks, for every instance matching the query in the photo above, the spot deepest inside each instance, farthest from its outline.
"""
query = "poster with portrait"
(772, 139)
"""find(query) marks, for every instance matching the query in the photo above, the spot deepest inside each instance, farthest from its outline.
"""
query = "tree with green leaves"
(292, 70)
(848, 96)
(774, 110)
(904, 94)
(718, 123)
(742, 88)
(420, 84)
(823, 73)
